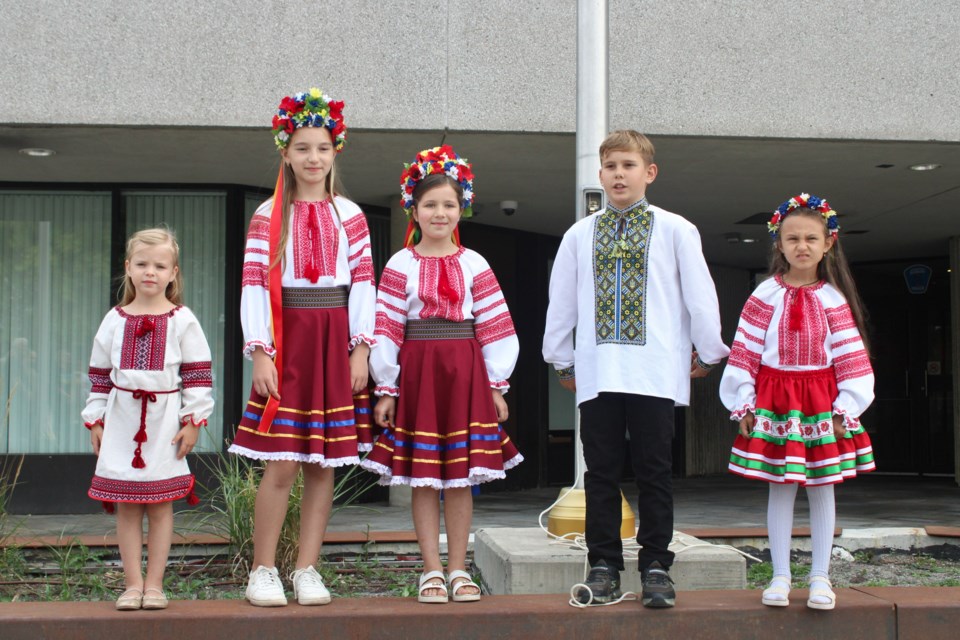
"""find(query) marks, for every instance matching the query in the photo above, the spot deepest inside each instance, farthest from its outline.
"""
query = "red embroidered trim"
(196, 374)
(363, 271)
(316, 241)
(840, 319)
(743, 358)
(852, 365)
(441, 299)
(389, 328)
(259, 228)
(496, 328)
(485, 284)
(95, 423)
(144, 342)
(394, 283)
(356, 229)
(757, 313)
(109, 490)
(255, 274)
(188, 420)
(100, 379)
(803, 347)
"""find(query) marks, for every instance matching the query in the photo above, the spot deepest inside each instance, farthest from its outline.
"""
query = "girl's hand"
(570, 384)
(385, 411)
(265, 374)
(358, 367)
(187, 437)
(503, 412)
(746, 425)
(839, 430)
(96, 437)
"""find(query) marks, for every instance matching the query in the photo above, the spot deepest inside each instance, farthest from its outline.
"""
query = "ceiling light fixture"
(924, 167)
(38, 152)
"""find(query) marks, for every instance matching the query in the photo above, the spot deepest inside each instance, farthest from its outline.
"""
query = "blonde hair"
(333, 187)
(628, 140)
(153, 238)
(833, 268)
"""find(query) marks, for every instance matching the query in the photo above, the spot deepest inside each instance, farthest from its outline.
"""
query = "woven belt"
(438, 329)
(314, 297)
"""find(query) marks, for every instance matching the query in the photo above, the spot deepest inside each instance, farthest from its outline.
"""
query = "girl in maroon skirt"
(307, 310)
(797, 381)
(445, 348)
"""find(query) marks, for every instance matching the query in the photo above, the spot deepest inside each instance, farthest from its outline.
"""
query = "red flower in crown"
(291, 106)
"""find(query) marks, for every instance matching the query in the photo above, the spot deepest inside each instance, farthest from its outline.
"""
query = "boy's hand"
(265, 374)
(503, 412)
(385, 412)
(187, 437)
(839, 430)
(746, 425)
(570, 384)
(359, 369)
(96, 437)
(696, 371)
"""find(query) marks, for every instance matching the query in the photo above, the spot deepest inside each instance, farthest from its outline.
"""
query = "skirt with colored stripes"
(793, 439)
(319, 419)
(446, 433)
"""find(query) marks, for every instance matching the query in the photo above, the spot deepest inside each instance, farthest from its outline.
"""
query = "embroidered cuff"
(360, 337)
(851, 423)
(500, 385)
(383, 390)
(738, 414)
(251, 346)
(567, 373)
(95, 423)
(188, 420)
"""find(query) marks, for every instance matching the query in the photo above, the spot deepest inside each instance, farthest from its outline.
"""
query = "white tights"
(780, 527)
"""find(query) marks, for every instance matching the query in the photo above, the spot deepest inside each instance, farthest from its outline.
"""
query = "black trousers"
(604, 423)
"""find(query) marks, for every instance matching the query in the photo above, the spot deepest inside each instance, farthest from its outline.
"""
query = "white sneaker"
(265, 588)
(308, 587)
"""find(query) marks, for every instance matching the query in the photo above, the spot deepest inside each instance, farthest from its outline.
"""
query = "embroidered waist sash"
(438, 329)
(314, 297)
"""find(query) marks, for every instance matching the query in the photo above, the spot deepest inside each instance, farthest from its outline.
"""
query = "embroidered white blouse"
(828, 337)
(638, 316)
(410, 288)
(323, 250)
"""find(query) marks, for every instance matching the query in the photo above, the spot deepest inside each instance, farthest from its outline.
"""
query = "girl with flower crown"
(152, 391)
(445, 348)
(307, 310)
(797, 381)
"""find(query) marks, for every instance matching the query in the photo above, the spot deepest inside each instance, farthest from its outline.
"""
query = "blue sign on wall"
(918, 278)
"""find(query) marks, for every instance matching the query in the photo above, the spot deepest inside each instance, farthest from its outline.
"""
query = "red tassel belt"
(144, 397)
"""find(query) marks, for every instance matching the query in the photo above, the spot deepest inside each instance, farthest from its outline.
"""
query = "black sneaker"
(658, 590)
(603, 584)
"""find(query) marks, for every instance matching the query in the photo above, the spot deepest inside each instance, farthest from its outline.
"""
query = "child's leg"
(823, 518)
(457, 514)
(130, 541)
(780, 526)
(159, 536)
(314, 512)
(271, 509)
(426, 521)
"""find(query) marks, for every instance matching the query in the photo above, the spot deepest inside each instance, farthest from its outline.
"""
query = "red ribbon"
(140, 436)
(275, 281)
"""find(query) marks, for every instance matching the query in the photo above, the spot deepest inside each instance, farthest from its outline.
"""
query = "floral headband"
(432, 161)
(311, 109)
(804, 200)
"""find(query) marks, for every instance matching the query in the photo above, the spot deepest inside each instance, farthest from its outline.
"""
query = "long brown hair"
(834, 269)
(153, 238)
(332, 184)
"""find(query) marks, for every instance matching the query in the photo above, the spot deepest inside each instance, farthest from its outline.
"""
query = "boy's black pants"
(604, 423)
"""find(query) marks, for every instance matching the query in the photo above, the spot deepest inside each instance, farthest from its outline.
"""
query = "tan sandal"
(158, 601)
(427, 583)
(465, 581)
(823, 591)
(778, 593)
(130, 600)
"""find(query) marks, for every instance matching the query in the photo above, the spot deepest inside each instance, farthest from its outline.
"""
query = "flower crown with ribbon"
(804, 201)
(438, 160)
(312, 108)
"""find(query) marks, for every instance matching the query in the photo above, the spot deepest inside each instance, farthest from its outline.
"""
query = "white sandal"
(465, 581)
(425, 585)
(822, 591)
(778, 593)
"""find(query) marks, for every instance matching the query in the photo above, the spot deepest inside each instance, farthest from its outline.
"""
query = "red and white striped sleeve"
(363, 292)
(392, 310)
(738, 385)
(255, 295)
(851, 363)
(492, 322)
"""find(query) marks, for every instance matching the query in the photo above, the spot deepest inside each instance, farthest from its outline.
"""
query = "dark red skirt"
(446, 432)
(319, 419)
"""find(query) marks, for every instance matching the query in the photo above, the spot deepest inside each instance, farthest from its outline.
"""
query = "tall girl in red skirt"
(797, 381)
(445, 348)
(307, 310)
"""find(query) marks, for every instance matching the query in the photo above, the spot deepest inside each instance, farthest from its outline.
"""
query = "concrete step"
(902, 613)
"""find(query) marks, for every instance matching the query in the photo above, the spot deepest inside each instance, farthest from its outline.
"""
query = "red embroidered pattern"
(804, 347)
(110, 490)
(496, 328)
(255, 274)
(389, 328)
(842, 343)
(386, 305)
(196, 374)
(840, 319)
(485, 284)
(363, 272)
(356, 228)
(757, 313)
(749, 336)
(435, 305)
(316, 241)
(394, 283)
(259, 228)
(100, 378)
(852, 365)
(743, 358)
(480, 312)
(143, 348)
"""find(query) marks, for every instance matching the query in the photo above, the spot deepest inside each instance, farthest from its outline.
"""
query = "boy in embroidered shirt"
(633, 282)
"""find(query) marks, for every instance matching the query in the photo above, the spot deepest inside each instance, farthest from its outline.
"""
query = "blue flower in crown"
(804, 200)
